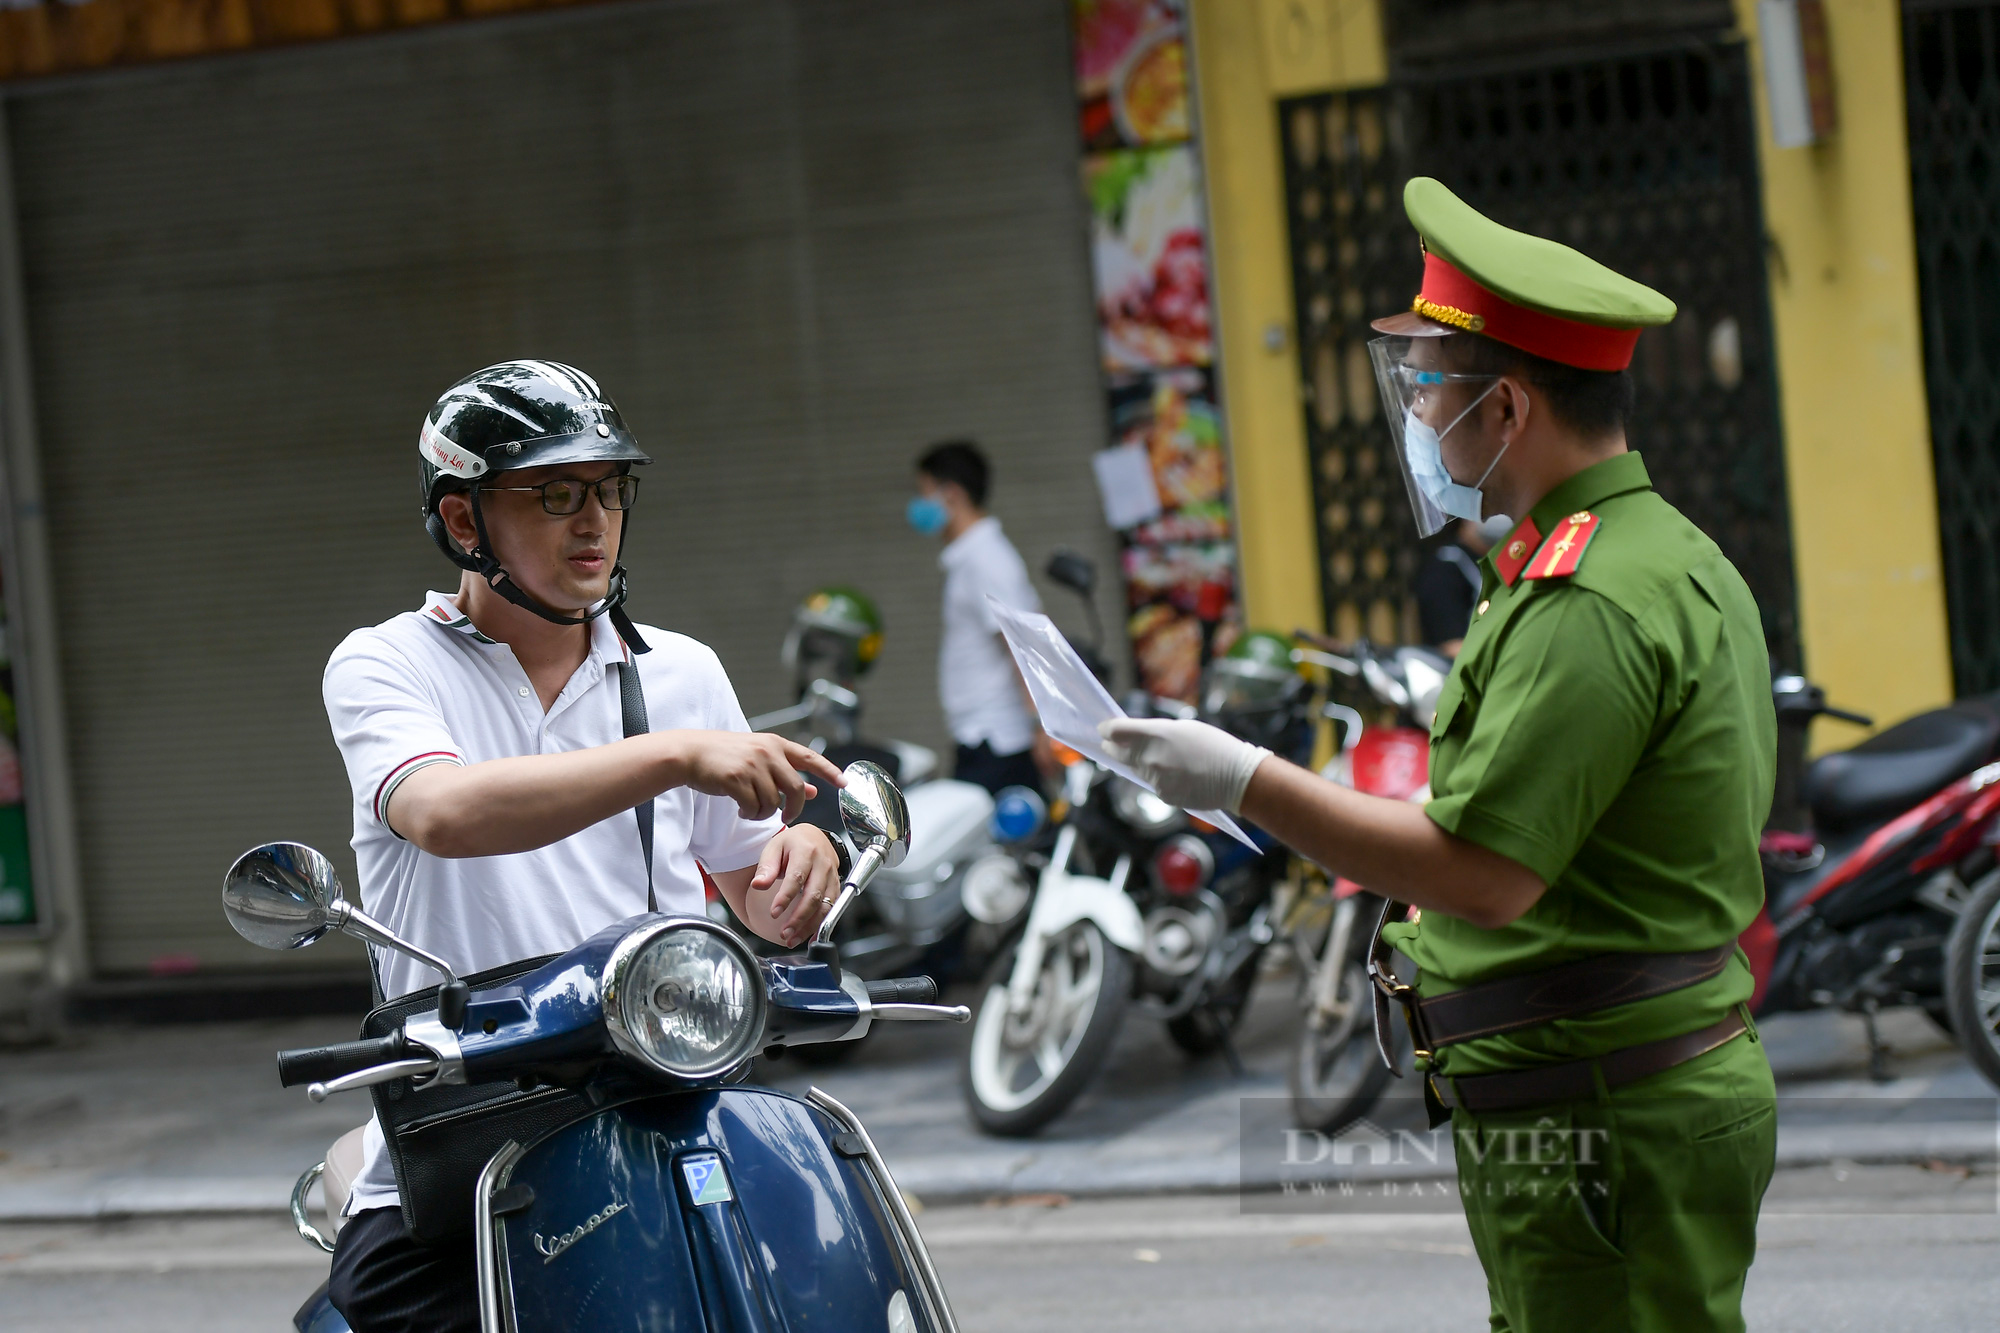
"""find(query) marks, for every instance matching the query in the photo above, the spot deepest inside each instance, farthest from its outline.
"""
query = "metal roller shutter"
(794, 240)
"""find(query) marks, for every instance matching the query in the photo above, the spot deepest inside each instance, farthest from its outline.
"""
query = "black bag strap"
(632, 702)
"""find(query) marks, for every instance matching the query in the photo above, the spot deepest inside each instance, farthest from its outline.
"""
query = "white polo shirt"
(977, 683)
(427, 688)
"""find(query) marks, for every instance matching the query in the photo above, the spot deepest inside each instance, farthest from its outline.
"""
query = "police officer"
(1601, 764)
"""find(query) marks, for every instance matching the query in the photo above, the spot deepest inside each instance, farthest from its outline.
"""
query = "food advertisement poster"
(1149, 258)
(1149, 262)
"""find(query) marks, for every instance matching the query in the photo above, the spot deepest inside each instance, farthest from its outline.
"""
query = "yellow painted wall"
(1248, 53)
(1850, 375)
(1844, 304)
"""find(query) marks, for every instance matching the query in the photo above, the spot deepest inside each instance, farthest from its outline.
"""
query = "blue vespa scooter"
(666, 1199)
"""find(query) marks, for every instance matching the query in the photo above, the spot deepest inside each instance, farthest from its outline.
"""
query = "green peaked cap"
(1528, 270)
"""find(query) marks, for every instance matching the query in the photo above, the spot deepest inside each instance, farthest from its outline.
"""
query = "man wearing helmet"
(493, 744)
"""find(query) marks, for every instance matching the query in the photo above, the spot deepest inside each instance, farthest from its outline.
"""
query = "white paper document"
(1125, 482)
(1071, 701)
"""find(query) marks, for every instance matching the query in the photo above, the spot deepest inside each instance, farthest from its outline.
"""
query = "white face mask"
(1424, 448)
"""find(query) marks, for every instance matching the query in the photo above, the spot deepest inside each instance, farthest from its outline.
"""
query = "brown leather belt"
(1511, 1003)
(1573, 1080)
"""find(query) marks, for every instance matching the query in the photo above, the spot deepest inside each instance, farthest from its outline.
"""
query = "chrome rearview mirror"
(874, 813)
(283, 895)
(877, 820)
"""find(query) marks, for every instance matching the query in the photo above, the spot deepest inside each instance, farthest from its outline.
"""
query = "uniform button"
(523, 691)
(1483, 606)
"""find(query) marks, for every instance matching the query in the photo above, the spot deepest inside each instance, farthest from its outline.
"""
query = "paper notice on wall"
(1071, 701)
(1125, 481)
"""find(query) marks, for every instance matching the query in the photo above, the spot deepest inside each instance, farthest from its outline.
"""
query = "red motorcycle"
(1336, 1074)
(1880, 881)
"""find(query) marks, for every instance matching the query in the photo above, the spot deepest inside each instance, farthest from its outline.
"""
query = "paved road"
(1843, 1248)
(190, 1119)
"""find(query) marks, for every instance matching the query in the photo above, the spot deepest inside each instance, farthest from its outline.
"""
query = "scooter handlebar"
(320, 1064)
(903, 990)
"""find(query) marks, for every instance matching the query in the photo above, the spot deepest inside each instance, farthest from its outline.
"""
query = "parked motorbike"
(1336, 1072)
(1179, 940)
(1880, 881)
(915, 916)
(677, 1198)
(1882, 886)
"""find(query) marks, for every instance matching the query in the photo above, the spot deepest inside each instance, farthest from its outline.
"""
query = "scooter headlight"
(685, 997)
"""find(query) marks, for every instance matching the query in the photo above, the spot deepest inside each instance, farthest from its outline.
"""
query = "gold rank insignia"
(1508, 559)
(1563, 552)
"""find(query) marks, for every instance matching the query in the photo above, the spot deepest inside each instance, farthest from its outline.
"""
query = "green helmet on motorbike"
(836, 634)
(1255, 691)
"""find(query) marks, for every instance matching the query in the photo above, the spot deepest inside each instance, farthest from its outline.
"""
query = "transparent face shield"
(1423, 403)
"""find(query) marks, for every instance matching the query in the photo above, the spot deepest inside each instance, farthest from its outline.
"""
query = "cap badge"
(514, 449)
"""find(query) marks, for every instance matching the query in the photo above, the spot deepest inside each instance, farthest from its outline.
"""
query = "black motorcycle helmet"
(522, 414)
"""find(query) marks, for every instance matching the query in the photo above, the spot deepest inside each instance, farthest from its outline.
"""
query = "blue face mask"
(1424, 450)
(926, 515)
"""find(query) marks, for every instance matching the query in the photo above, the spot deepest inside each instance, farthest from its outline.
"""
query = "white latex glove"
(1191, 764)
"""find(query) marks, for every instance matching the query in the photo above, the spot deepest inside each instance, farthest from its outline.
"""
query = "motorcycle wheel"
(1199, 1031)
(1022, 1072)
(1972, 977)
(1336, 1073)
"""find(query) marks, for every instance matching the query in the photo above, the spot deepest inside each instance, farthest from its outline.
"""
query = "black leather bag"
(440, 1138)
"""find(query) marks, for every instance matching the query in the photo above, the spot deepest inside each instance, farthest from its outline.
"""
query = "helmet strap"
(481, 561)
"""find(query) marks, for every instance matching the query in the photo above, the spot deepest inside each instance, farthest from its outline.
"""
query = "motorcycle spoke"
(1008, 1068)
(1050, 1056)
(1079, 993)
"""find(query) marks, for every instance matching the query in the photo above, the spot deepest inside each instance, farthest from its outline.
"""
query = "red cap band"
(1450, 297)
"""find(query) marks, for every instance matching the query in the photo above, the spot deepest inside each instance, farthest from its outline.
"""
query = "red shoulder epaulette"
(1563, 551)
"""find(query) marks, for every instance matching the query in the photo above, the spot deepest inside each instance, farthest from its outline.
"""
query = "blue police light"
(1018, 814)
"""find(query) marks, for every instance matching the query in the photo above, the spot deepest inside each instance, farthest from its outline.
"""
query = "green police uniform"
(1608, 725)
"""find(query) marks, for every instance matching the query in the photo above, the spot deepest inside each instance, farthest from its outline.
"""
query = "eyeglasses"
(566, 496)
(1422, 388)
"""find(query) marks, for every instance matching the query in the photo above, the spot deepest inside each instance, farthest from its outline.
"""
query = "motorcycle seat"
(1893, 771)
(343, 1165)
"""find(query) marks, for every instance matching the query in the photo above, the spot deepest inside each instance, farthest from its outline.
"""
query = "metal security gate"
(1645, 160)
(1952, 76)
(1354, 258)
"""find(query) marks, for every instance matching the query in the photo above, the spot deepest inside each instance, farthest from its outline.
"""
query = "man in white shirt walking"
(1000, 742)
(494, 781)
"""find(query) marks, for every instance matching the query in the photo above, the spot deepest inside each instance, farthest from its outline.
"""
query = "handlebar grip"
(903, 990)
(319, 1064)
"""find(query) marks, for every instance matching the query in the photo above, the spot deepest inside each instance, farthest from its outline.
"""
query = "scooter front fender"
(1062, 900)
(735, 1208)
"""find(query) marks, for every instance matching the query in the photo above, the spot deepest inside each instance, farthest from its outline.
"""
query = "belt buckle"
(1388, 986)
